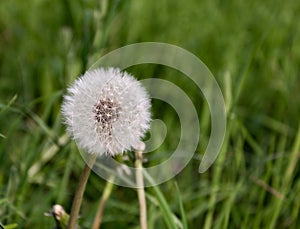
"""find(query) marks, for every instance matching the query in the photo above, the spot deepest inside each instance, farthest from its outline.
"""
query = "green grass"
(252, 48)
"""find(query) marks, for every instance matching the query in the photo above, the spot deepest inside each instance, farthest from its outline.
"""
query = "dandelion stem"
(79, 195)
(140, 189)
(106, 193)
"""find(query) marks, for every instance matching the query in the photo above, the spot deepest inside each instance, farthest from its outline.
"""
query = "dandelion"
(106, 111)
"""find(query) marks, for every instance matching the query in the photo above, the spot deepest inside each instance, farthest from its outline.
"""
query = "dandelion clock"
(106, 111)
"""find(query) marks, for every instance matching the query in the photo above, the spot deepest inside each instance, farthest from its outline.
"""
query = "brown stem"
(78, 197)
(106, 193)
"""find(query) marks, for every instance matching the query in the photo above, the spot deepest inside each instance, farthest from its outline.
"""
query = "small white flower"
(106, 111)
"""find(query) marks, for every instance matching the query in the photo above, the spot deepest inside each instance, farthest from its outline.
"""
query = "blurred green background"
(251, 47)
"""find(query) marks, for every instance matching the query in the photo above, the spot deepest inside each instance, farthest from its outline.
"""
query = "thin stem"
(78, 197)
(106, 193)
(140, 189)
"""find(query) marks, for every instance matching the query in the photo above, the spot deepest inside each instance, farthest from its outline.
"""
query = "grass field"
(251, 47)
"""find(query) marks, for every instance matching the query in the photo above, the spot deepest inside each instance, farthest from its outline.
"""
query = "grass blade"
(163, 205)
(182, 211)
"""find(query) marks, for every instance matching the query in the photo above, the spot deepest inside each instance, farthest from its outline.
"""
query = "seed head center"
(106, 112)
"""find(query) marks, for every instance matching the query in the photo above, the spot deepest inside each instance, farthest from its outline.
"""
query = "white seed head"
(106, 111)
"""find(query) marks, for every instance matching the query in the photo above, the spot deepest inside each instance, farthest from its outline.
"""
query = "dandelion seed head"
(106, 111)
